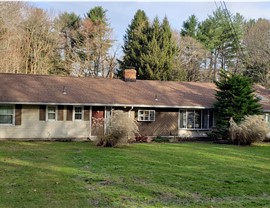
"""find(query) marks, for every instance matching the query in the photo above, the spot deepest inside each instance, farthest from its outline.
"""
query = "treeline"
(34, 41)
(200, 50)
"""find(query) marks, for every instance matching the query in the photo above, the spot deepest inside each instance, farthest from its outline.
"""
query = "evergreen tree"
(160, 52)
(98, 15)
(168, 50)
(135, 41)
(96, 35)
(221, 34)
(67, 24)
(151, 58)
(150, 49)
(190, 27)
(235, 98)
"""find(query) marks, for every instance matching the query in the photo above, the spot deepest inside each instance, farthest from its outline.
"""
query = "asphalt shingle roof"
(19, 88)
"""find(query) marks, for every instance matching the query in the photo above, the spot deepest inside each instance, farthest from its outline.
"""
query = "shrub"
(235, 98)
(120, 130)
(251, 129)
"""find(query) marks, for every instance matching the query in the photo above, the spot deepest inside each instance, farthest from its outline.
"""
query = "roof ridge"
(53, 75)
(101, 78)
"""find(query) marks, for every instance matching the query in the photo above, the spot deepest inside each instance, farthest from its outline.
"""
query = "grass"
(78, 174)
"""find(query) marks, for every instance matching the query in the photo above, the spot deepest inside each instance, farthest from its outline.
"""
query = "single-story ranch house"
(51, 107)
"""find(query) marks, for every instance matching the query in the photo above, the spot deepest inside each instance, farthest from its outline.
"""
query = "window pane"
(140, 115)
(183, 121)
(146, 115)
(51, 109)
(51, 113)
(211, 117)
(5, 119)
(152, 115)
(6, 110)
(78, 113)
(78, 109)
(198, 119)
(78, 116)
(6, 114)
(51, 116)
(205, 119)
(190, 119)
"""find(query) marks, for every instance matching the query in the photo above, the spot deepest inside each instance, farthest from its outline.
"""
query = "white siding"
(32, 128)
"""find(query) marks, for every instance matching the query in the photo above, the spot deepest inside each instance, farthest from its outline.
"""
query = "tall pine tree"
(149, 49)
(221, 34)
(135, 41)
(151, 57)
(235, 98)
(168, 50)
(190, 27)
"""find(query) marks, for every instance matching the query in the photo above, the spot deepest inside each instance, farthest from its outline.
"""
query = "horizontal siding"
(32, 128)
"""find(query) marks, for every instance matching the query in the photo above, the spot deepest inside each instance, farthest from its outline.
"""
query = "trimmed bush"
(251, 129)
(120, 130)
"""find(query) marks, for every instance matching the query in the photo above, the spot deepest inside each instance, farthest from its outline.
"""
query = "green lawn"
(78, 174)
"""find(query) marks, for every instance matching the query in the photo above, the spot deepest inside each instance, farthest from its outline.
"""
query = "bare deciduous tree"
(11, 17)
(190, 59)
(27, 39)
(38, 45)
(257, 44)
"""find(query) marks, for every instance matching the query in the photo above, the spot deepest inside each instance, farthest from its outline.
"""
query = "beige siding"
(32, 128)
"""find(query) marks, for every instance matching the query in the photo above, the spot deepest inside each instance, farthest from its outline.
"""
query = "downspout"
(129, 111)
(90, 122)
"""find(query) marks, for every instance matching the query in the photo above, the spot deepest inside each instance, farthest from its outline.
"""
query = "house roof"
(46, 89)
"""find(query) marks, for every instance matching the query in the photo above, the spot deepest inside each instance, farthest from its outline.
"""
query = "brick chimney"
(130, 75)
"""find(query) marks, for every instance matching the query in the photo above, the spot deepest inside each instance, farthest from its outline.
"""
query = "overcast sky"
(120, 13)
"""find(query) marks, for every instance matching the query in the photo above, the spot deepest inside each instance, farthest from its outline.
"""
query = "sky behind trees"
(121, 13)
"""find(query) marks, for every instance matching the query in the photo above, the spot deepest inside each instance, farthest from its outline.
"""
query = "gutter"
(110, 105)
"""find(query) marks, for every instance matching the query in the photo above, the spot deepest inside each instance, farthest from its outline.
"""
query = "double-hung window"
(6, 114)
(196, 119)
(78, 113)
(51, 112)
(146, 115)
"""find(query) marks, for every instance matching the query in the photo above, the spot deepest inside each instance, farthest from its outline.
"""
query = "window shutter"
(18, 115)
(60, 113)
(69, 112)
(42, 112)
(86, 113)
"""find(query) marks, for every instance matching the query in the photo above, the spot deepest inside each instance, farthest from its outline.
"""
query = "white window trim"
(149, 111)
(47, 112)
(197, 129)
(73, 116)
(13, 116)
